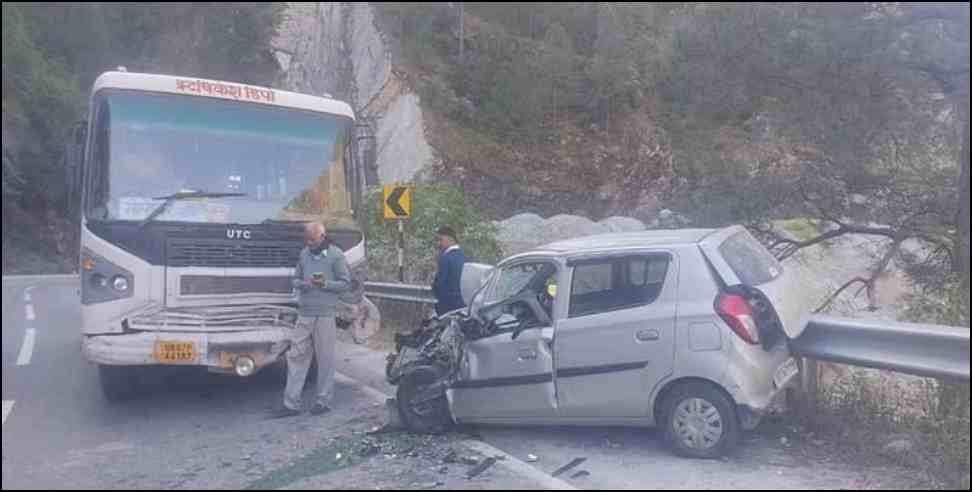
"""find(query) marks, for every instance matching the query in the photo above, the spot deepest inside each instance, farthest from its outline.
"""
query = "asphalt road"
(192, 430)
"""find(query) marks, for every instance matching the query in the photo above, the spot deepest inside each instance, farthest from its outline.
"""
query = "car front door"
(508, 374)
(618, 339)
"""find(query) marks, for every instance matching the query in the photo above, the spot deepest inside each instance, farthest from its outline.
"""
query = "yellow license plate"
(175, 352)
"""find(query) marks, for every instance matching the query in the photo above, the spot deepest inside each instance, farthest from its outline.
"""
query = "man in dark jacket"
(446, 286)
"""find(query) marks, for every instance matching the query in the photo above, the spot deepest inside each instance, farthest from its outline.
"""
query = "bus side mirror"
(74, 168)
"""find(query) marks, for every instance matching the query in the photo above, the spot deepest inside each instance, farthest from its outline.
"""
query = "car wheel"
(427, 417)
(118, 383)
(700, 422)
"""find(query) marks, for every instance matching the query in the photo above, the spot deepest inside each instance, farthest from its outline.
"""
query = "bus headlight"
(120, 283)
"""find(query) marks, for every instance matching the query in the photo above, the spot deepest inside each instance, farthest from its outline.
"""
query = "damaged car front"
(426, 361)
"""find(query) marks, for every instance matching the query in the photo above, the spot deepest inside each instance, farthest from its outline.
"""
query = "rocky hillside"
(421, 122)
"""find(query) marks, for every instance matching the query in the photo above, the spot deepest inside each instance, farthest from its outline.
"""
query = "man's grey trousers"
(313, 335)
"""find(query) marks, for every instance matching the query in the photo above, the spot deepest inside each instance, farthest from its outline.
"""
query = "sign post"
(401, 251)
(397, 205)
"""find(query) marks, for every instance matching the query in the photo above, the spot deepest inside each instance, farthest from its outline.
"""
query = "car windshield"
(286, 163)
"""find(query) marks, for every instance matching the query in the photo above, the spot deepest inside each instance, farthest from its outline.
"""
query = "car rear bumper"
(218, 351)
(756, 378)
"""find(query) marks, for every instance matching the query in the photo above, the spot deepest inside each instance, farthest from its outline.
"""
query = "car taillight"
(737, 312)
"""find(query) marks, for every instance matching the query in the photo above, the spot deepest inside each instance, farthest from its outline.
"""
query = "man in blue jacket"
(446, 286)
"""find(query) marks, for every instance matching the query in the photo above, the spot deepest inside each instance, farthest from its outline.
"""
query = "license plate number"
(785, 373)
(175, 352)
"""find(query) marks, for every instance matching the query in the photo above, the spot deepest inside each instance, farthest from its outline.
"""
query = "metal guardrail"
(934, 351)
(400, 292)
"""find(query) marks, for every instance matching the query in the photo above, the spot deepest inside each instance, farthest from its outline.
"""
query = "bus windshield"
(276, 163)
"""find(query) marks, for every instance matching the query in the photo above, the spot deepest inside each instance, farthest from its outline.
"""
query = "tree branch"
(869, 283)
(791, 246)
(830, 299)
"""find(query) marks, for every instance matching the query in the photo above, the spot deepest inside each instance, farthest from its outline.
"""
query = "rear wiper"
(186, 195)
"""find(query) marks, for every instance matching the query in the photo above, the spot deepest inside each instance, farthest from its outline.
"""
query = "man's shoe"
(283, 413)
(319, 410)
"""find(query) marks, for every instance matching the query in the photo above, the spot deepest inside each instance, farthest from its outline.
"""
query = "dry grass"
(876, 412)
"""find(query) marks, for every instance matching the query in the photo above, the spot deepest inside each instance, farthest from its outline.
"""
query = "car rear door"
(740, 259)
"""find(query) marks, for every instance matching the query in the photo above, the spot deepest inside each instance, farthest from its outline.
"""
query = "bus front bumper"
(242, 353)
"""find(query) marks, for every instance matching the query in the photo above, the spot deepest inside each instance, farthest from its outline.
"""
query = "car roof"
(608, 242)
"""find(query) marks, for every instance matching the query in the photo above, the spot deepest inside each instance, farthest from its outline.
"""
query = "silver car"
(685, 330)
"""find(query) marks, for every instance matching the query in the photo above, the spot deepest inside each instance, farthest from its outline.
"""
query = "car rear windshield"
(751, 262)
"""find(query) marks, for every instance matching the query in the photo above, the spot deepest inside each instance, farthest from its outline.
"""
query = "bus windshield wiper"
(182, 195)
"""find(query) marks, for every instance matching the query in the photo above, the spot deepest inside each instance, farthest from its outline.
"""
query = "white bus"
(193, 193)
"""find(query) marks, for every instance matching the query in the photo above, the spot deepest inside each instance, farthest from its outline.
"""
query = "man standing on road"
(322, 274)
(447, 287)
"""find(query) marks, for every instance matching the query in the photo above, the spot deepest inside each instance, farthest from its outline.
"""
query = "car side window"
(601, 286)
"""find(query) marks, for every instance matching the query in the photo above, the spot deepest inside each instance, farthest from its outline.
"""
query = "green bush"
(433, 206)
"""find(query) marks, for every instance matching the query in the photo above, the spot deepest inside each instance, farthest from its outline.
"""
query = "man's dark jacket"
(446, 286)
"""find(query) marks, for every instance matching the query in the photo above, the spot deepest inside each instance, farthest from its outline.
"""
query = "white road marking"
(7, 408)
(514, 464)
(31, 315)
(27, 297)
(545, 481)
(27, 349)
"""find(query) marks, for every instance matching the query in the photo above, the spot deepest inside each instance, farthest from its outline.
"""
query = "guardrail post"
(809, 377)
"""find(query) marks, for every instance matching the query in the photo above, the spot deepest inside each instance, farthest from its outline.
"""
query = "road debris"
(532, 458)
(469, 460)
(569, 466)
(384, 429)
(581, 474)
(368, 450)
(451, 458)
(479, 469)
